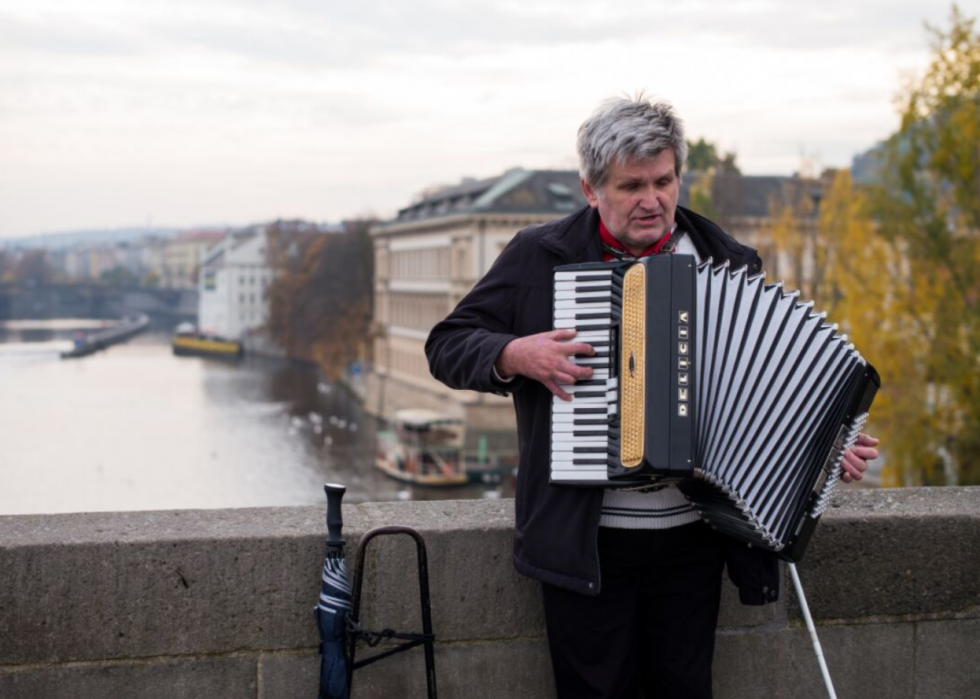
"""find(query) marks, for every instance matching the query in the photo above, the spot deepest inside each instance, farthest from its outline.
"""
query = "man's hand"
(855, 461)
(544, 357)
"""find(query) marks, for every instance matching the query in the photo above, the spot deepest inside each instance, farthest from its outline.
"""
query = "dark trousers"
(652, 627)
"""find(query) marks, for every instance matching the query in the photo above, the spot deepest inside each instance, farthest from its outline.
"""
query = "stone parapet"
(219, 603)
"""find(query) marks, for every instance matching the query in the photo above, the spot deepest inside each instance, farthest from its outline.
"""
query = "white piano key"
(600, 439)
(572, 312)
(597, 274)
(562, 295)
(578, 285)
(578, 323)
(583, 476)
(589, 336)
(561, 406)
(586, 304)
(579, 388)
(578, 400)
(568, 460)
(577, 312)
(571, 445)
(590, 361)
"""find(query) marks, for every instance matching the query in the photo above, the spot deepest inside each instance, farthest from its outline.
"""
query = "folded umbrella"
(334, 606)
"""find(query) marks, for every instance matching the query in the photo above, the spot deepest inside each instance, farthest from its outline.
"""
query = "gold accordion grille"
(631, 367)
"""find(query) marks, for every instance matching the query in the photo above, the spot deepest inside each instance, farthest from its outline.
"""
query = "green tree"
(118, 276)
(702, 156)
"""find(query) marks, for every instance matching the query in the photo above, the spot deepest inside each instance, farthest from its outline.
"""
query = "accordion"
(711, 379)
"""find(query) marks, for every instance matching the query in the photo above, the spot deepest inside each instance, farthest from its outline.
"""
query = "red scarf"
(608, 239)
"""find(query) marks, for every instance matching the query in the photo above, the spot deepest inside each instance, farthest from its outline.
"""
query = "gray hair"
(624, 129)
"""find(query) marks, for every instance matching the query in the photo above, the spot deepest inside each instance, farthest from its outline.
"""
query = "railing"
(219, 604)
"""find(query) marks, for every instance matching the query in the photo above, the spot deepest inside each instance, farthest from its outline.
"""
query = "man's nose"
(649, 199)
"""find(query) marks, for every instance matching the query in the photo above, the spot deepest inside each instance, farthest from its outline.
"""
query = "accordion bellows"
(712, 379)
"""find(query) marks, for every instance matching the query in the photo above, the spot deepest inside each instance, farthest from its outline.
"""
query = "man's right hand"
(545, 357)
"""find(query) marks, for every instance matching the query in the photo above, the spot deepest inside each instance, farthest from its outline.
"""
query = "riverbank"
(127, 328)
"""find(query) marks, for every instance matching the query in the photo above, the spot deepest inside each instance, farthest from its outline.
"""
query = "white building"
(233, 285)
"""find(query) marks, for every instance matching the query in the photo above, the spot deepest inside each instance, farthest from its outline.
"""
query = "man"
(631, 580)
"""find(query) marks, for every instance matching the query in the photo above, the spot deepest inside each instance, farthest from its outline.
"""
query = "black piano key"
(591, 316)
(589, 462)
(591, 394)
(590, 422)
(598, 410)
(590, 433)
(584, 277)
(591, 328)
(586, 288)
(590, 382)
(589, 450)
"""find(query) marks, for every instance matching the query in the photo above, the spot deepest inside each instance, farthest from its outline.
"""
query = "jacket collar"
(575, 238)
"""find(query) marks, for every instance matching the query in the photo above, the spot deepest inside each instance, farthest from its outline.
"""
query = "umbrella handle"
(335, 518)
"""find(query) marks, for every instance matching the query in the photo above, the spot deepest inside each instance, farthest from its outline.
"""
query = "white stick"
(813, 632)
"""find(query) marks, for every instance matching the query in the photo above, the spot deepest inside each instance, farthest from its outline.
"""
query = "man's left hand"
(855, 461)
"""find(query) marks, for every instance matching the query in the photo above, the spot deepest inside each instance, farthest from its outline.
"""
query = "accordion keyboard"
(580, 428)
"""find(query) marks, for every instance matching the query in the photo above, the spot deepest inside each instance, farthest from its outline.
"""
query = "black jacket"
(556, 527)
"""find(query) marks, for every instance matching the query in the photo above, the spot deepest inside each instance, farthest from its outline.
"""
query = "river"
(135, 428)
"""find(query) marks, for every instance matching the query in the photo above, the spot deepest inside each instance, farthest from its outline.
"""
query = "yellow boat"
(189, 342)
(424, 448)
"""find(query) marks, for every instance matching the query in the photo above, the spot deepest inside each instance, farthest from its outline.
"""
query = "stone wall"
(219, 604)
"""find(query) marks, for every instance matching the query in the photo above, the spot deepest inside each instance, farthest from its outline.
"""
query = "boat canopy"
(419, 419)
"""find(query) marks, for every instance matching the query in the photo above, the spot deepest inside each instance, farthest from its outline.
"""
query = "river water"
(135, 428)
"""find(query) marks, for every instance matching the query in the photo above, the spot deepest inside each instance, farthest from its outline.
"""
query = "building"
(745, 206)
(426, 259)
(182, 256)
(233, 285)
(433, 252)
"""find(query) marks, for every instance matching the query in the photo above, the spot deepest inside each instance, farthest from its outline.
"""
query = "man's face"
(638, 201)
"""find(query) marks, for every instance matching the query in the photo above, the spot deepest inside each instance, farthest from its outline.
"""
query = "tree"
(321, 300)
(33, 268)
(929, 205)
(702, 156)
(895, 264)
(118, 276)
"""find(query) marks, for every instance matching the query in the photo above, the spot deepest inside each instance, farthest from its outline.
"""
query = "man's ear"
(591, 195)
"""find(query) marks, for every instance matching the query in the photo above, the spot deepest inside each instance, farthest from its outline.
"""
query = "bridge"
(219, 604)
(25, 301)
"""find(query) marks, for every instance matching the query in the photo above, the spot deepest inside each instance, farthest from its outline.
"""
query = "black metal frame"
(373, 638)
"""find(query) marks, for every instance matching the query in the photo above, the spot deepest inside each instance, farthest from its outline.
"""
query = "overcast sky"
(190, 112)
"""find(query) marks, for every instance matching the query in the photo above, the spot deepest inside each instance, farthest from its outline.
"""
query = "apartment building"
(433, 252)
(182, 257)
(426, 259)
(233, 285)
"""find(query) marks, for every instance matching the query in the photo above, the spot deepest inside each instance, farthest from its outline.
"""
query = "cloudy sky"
(190, 112)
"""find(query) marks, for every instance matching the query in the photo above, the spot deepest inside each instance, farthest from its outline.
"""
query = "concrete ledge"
(218, 603)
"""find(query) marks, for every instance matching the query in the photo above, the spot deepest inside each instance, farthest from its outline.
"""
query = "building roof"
(733, 194)
(558, 192)
(516, 191)
(199, 236)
